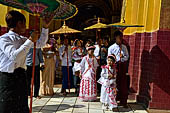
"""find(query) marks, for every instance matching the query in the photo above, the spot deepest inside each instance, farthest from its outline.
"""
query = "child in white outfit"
(88, 86)
(108, 82)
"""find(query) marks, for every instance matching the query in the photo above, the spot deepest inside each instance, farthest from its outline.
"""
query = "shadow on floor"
(54, 108)
(57, 95)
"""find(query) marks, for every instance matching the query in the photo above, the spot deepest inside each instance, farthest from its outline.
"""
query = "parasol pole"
(98, 30)
(68, 72)
(68, 68)
(33, 74)
(99, 33)
(120, 58)
(33, 68)
(96, 35)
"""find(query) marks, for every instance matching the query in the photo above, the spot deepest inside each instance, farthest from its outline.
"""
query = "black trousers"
(97, 78)
(36, 80)
(121, 80)
(13, 92)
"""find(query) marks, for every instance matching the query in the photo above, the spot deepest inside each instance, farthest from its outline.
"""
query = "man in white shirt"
(122, 56)
(13, 51)
(65, 53)
(97, 50)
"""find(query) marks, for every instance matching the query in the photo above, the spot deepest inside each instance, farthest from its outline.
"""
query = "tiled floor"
(71, 104)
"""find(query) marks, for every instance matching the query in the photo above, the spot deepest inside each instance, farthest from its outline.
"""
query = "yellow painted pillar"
(26, 14)
(4, 11)
(131, 16)
(142, 12)
(156, 12)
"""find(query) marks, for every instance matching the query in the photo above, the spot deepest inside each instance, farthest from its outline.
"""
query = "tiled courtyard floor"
(71, 104)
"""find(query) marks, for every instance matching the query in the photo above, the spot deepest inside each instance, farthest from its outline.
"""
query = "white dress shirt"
(14, 49)
(64, 58)
(97, 51)
(115, 49)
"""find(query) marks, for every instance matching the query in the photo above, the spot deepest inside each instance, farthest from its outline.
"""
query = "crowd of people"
(95, 68)
(91, 67)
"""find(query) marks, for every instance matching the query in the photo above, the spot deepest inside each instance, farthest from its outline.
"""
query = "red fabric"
(88, 90)
(92, 88)
(74, 48)
(95, 88)
(85, 87)
(82, 86)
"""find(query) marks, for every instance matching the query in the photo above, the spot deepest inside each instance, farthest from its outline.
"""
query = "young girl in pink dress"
(108, 82)
(88, 86)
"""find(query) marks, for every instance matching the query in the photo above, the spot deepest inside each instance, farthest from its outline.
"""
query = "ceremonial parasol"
(58, 8)
(97, 26)
(122, 26)
(66, 30)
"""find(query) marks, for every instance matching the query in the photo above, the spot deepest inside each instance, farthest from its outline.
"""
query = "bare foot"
(38, 97)
(65, 93)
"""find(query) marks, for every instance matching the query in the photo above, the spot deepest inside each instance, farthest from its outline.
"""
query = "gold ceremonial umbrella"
(122, 26)
(65, 30)
(97, 26)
